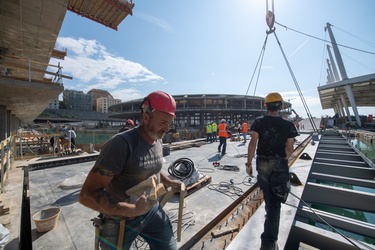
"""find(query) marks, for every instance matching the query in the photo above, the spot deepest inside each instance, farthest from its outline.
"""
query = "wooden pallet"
(199, 184)
(186, 145)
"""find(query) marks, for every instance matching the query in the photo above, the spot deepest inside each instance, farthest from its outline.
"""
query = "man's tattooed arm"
(102, 171)
(103, 196)
(100, 194)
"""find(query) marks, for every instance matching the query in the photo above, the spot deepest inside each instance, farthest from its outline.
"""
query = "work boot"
(273, 246)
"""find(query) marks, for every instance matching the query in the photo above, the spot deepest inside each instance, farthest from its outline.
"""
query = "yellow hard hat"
(273, 97)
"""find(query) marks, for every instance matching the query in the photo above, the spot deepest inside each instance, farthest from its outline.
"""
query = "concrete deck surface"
(74, 229)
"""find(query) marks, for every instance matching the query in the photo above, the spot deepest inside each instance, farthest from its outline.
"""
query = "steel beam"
(339, 197)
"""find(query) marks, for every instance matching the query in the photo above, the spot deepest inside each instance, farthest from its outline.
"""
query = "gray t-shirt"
(132, 160)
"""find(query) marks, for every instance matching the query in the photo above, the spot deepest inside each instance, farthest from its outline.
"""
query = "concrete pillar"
(342, 114)
(334, 68)
(330, 73)
(353, 103)
(346, 108)
(3, 122)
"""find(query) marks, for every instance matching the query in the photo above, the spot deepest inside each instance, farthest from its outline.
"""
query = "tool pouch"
(279, 185)
(98, 221)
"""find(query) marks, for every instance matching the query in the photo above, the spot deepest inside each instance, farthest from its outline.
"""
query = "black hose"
(182, 168)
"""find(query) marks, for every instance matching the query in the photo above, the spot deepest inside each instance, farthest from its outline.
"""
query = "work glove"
(249, 170)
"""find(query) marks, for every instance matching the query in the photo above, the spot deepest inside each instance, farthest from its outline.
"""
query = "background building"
(197, 110)
(77, 100)
(54, 104)
(97, 93)
(102, 103)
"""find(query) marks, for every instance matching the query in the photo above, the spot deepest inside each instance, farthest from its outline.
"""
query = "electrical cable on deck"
(182, 168)
(229, 168)
(227, 188)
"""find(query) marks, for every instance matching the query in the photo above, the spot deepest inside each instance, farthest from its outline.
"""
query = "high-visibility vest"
(223, 130)
(245, 127)
(208, 129)
(214, 127)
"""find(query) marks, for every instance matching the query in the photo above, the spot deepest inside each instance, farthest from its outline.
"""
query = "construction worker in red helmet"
(126, 160)
(129, 124)
(160, 101)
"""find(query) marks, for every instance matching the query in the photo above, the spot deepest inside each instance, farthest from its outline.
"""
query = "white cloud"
(93, 67)
(127, 94)
(154, 20)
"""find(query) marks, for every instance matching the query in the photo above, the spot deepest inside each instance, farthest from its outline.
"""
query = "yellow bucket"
(46, 219)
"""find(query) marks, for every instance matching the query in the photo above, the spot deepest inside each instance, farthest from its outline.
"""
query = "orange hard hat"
(161, 101)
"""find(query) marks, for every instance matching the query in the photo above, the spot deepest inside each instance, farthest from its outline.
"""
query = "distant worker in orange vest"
(245, 129)
(224, 133)
(297, 125)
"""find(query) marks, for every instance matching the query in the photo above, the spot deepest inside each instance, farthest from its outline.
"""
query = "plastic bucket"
(46, 219)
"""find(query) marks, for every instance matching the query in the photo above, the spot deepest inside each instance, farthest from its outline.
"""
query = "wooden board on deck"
(199, 184)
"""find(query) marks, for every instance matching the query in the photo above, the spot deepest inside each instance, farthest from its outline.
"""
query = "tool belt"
(98, 223)
(272, 157)
(116, 217)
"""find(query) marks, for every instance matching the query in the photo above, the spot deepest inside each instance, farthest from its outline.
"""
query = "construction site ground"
(60, 186)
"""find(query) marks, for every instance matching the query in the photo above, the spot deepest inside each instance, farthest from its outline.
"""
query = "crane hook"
(270, 17)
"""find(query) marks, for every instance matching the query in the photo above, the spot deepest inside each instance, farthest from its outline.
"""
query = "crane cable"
(270, 20)
(260, 59)
(297, 86)
(324, 40)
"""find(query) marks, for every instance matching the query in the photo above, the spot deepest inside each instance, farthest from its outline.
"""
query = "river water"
(94, 136)
(366, 147)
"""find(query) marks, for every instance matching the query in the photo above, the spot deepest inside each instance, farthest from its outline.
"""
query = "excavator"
(297, 118)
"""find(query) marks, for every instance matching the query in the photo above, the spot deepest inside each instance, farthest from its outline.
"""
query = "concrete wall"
(8, 123)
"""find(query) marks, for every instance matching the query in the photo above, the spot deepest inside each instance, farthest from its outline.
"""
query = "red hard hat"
(161, 101)
(129, 122)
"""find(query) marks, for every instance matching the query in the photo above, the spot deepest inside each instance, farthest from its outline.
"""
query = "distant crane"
(297, 118)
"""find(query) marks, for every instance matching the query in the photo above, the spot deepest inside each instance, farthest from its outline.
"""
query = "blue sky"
(212, 47)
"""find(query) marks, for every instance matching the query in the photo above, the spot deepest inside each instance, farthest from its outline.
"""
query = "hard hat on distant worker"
(273, 97)
(222, 120)
(129, 122)
(161, 101)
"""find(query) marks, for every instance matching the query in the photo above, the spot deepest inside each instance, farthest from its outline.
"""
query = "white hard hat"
(222, 120)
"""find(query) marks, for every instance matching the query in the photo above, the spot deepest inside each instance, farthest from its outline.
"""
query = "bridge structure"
(341, 92)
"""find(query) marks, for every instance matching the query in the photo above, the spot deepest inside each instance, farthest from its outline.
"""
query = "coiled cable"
(182, 168)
